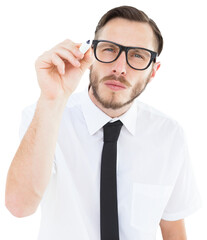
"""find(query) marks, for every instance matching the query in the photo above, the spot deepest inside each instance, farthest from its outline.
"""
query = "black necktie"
(108, 187)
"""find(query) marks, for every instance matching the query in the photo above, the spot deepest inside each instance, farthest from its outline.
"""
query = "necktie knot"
(112, 131)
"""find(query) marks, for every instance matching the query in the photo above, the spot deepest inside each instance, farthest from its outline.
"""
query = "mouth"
(114, 85)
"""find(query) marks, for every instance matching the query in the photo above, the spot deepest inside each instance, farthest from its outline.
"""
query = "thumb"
(88, 60)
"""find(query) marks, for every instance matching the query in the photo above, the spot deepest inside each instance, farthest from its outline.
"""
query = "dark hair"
(131, 13)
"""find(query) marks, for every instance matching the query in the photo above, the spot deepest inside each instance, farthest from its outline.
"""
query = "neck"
(113, 113)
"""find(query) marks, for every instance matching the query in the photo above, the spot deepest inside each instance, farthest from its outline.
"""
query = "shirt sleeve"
(27, 116)
(185, 198)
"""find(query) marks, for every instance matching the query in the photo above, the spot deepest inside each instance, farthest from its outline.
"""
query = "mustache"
(121, 79)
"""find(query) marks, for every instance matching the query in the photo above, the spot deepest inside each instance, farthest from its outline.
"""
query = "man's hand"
(60, 69)
(173, 230)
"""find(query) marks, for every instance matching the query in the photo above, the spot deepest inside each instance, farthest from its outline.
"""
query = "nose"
(120, 65)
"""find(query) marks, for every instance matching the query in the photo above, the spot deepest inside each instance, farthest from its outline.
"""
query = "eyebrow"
(110, 44)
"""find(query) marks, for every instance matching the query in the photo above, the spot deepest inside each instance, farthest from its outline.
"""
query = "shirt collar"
(95, 118)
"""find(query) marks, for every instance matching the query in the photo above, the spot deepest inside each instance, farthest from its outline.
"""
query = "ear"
(155, 68)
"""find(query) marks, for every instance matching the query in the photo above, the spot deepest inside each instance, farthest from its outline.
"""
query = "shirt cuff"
(181, 215)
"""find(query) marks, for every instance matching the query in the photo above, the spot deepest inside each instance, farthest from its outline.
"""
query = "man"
(152, 182)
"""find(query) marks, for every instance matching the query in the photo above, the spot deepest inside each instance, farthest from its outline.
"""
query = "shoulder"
(152, 113)
(157, 121)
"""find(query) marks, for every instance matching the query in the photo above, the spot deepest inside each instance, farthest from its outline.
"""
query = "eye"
(108, 49)
(138, 56)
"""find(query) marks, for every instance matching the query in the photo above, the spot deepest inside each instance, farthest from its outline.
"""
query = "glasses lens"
(138, 58)
(106, 52)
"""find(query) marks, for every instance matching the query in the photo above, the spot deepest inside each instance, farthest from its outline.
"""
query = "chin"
(114, 102)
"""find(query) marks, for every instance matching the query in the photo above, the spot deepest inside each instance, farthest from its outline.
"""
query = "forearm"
(175, 238)
(173, 230)
(31, 167)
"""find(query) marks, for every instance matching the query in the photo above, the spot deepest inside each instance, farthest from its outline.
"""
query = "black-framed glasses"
(136, 57)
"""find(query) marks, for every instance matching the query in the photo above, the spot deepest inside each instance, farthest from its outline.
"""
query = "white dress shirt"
(154, 174)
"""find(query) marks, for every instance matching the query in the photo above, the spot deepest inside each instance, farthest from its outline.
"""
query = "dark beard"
(136, 91)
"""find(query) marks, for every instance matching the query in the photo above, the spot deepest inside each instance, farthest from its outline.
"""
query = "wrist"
(59, 101)
(51, 107)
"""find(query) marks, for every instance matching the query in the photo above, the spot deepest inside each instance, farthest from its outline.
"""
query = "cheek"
(145, 75)
(100, 70)
(95, 74)
(98, 66)
(95, 69)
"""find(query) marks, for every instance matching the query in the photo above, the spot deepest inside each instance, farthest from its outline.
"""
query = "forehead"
(128, 33)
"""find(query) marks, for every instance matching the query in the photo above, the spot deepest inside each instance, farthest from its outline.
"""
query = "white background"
(28, 28)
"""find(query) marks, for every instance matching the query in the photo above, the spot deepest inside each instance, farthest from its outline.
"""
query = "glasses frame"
(125, 49)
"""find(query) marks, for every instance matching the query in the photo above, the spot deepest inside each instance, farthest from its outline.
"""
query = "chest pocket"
(148, 204)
